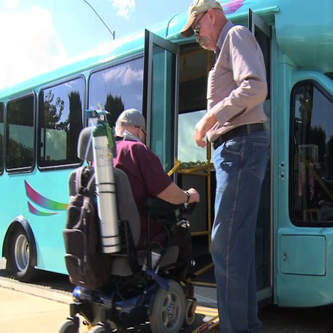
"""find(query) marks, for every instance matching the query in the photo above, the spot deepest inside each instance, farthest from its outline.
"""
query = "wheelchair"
(141, 289)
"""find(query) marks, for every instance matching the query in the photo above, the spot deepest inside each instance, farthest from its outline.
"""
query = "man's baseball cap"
(131, 117)
(197, 7)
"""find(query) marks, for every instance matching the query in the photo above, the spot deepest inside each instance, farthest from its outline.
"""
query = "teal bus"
(165, 76)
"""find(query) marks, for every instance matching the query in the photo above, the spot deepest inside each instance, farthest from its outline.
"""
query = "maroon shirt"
(147, 178)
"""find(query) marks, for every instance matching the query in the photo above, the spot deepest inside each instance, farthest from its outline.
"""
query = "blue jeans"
(240, 166)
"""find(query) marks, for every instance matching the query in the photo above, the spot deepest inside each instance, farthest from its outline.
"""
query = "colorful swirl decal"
(231, 6)
(37, 212)
(43, 202)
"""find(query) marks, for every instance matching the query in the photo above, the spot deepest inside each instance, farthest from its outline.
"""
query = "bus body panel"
(308, 282)
(310, 249)
(306, 38)
(44, 210)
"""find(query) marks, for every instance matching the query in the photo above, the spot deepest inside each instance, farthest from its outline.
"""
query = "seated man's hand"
(194, 195)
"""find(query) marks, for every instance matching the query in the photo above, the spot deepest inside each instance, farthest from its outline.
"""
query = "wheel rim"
(171, 311)
(22, 252)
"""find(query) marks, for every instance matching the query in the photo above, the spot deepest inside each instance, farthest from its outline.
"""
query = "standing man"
(234, 124)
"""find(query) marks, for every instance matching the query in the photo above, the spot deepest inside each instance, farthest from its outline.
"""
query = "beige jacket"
(237, 83)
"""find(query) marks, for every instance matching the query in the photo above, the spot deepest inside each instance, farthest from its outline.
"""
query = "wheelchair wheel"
(168, 309)
(69, 327)
(97, 329)
(191, 306)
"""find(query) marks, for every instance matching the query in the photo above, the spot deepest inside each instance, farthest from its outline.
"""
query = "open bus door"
(160, 97)
(264, 231)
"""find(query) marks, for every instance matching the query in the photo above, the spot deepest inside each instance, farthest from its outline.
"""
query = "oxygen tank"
(103, 143)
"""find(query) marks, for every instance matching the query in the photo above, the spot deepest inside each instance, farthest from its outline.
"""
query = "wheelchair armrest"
(159, 207)
(153, 203)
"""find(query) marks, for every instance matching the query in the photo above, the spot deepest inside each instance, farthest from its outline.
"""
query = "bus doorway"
(175, 77)
(196, 169)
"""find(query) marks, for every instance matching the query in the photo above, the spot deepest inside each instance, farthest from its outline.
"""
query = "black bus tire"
(20, 256)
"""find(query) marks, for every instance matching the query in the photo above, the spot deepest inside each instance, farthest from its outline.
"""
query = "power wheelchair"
(141, 289)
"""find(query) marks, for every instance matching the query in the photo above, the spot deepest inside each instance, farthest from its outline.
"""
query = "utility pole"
(113, 33)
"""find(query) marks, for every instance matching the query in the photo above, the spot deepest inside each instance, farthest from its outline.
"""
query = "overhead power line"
(113, 33)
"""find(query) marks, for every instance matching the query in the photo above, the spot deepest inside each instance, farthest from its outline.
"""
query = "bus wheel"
(20, 256)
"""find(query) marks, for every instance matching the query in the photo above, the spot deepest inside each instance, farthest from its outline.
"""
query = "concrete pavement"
(43, 309)
(24, 313)
(26, 308)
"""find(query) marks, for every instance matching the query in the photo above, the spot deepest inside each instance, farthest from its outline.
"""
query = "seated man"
(148, 179)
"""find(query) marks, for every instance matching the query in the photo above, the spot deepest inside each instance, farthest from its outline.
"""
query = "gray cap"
(131, 117)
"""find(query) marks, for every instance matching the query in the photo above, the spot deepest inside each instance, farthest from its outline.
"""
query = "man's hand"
(202, 127)
(194, 195)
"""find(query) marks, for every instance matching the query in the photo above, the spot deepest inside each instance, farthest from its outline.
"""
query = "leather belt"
(237, 131)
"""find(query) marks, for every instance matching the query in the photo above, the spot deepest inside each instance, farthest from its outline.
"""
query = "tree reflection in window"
(116, 106)
(20, 133)
(61, 120)
(311, 177)
(117, 88)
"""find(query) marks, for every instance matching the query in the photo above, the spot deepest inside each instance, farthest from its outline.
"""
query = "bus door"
(175, 81)
(264, 238)
(160, 97)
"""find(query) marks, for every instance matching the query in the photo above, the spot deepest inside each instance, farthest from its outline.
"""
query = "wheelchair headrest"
(84, 147)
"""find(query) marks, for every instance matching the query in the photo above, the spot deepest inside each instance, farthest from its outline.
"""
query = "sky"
(37, 36)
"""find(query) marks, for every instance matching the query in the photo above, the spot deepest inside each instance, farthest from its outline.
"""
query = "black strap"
(85, 180)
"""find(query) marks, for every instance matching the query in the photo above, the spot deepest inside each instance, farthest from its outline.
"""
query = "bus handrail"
(206, 166)
(175, 168)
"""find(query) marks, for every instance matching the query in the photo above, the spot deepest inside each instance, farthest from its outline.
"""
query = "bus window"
(188, 151)
(20, 133)
(1, 137)
(117, 88)
(60, 123)
(311, 178)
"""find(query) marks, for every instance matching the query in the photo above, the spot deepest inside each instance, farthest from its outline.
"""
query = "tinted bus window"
(1, 137)
(20, 133)
(117, 88)
(312, 156)
(60, 123)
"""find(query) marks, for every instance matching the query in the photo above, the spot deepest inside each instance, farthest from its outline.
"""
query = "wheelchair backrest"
(127, 209)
